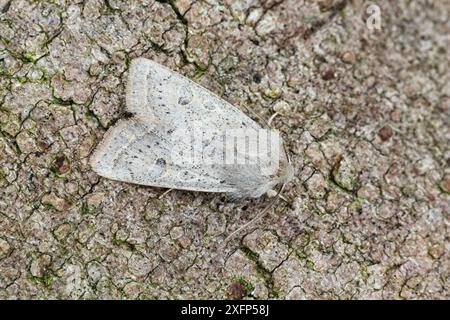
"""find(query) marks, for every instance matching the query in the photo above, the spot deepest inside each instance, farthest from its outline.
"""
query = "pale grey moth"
(179, 138)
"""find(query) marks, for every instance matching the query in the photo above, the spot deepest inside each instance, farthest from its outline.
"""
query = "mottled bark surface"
(365, 118)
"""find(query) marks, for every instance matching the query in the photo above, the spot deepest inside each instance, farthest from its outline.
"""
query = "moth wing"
(157, 92)
(139, 152)
(165, 106)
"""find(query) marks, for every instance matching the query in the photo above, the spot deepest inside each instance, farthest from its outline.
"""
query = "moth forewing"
(183, 136)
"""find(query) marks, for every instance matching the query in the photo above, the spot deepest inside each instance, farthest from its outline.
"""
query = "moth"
(182, 136)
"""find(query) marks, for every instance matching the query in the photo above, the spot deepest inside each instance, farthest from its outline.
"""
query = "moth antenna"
(269, 123)
(165, 193)
(258, 116)
(258, 216)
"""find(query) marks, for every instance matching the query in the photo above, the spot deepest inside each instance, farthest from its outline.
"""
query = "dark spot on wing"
(161, 162)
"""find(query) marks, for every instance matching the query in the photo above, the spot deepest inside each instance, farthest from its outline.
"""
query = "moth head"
(288, 173)
(285, 171)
